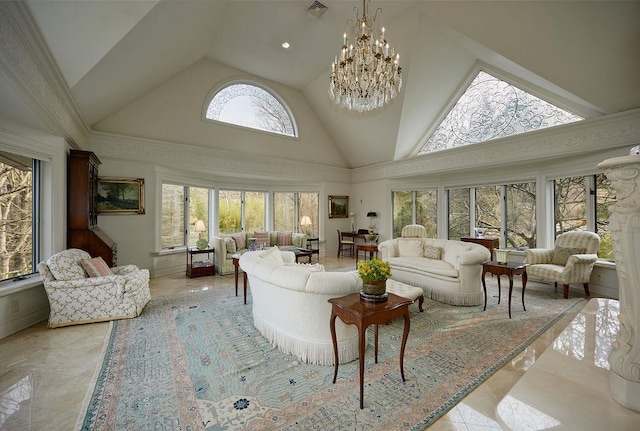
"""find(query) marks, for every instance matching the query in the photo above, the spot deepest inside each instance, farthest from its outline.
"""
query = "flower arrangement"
(374, 270)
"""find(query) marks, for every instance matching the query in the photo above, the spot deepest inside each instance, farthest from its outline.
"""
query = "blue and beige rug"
(195, 362)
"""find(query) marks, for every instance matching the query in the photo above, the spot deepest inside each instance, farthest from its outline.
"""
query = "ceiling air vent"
(316, 8)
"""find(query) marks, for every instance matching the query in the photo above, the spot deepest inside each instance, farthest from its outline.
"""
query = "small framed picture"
(338, 206)
(120, 196)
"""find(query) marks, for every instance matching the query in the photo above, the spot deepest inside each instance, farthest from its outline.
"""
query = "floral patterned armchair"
(76, 298)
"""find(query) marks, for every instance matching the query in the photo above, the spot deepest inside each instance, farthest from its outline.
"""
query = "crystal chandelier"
(366, 75)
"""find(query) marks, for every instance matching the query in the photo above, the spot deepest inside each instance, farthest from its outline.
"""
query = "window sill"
(10, 287)
(177, 250)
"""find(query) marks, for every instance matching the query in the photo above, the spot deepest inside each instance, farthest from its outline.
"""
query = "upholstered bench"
(406, 291)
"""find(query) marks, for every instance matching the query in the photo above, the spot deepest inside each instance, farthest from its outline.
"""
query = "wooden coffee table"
(354, 311)
(303, 252)
(510, 269)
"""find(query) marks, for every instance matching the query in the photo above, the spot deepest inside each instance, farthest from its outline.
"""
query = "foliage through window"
(182, 207)
(415, 207)
(241, 211)
(17, 235)
(459, 213)
(491, 108)
(290, 210)
(251, 106)
(582, 203)
(516, 217)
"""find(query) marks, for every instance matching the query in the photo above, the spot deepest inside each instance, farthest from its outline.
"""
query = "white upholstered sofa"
(76, 297)
(448, 271)
(290, 305)
(227, 245)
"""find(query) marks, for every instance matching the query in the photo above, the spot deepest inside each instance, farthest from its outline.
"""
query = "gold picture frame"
(338, 206)
(120, 196)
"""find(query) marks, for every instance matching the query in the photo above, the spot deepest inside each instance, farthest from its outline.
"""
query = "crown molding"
(27, 63)
(211, 161)
(580, 138)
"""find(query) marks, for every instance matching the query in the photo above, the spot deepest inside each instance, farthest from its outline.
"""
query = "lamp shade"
(372, 214)
(305, 221)
(200, 227)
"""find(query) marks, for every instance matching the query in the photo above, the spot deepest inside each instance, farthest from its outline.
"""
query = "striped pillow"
(262, 238)
(96, 267)
(239, 239)
(284, 238)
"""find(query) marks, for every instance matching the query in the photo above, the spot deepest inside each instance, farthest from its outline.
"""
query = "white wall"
(174, 112)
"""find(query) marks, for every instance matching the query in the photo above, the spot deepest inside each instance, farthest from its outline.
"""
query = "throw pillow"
(96, 267)
(296, 240)
(272, 254)
(239, 239)
(561, 254)
(262, 238)
(431, 252)
(231, 244)
(284, 238)
(410, 247)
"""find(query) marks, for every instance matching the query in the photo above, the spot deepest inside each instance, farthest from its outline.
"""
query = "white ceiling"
(583, 56)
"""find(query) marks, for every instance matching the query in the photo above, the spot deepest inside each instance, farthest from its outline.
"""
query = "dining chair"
(345, 244)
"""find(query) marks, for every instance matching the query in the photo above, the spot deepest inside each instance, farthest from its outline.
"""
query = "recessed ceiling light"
(285, 45)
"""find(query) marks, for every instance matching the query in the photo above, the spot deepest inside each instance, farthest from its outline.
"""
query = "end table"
(510, 269)
(354, 311)
(198, 269)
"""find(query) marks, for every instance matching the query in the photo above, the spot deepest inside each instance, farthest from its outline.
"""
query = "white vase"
(624, 225)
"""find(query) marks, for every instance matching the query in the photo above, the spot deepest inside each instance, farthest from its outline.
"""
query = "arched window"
(251, 106)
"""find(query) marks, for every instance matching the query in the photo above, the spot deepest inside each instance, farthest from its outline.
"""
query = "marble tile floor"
(45, 374)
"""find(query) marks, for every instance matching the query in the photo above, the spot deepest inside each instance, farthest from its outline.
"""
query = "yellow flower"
(374, 270)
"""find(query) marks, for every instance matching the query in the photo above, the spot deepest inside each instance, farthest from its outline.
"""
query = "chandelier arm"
(375, 16)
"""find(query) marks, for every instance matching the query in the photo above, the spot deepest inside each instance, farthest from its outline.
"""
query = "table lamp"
(371, 215)
(305, 222)
(202, 242)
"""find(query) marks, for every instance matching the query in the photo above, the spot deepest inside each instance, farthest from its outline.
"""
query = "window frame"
(222, 86)
(36, 196)
(591, 207)
(50, 238)
(503, 206)
(414, 198)
(297, 212)
(188, 224)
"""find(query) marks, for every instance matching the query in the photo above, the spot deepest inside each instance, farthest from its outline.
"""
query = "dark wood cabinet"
(490, 243)
(82, 210)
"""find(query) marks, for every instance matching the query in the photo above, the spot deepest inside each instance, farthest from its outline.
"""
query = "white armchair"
(570, 261)
(76, 298)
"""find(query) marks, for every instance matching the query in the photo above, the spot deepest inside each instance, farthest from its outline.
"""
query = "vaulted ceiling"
(582, 56)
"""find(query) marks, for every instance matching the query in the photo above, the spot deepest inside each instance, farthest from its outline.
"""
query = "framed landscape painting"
(338, 206)
(120, 196)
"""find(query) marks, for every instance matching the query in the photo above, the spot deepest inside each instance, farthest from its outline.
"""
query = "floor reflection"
(520, 416)
(590, 334)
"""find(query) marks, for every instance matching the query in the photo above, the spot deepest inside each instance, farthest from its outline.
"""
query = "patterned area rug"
(195, 362)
